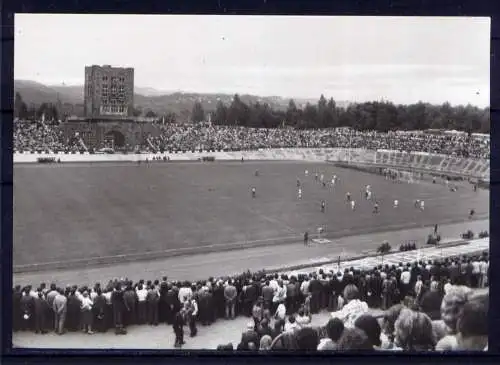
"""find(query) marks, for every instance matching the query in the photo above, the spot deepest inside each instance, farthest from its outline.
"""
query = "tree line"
(377, 115)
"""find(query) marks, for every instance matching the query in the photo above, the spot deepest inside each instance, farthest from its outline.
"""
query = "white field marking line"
(230, 244)
(277, 221)
(237, 243)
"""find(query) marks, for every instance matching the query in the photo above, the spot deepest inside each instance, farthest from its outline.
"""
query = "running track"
(197, 267)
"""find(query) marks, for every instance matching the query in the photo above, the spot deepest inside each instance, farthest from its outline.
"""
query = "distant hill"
(160, 102)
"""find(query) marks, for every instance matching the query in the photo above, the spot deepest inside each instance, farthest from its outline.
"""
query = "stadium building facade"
(108, 111)
(109, 91)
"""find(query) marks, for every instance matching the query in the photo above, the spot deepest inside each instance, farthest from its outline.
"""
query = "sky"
(399, 59)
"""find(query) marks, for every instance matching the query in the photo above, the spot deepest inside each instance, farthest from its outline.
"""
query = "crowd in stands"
(428, 305)
(38, 136)
(44, 137)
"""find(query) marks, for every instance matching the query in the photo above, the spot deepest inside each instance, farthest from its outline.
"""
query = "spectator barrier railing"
(414, 161)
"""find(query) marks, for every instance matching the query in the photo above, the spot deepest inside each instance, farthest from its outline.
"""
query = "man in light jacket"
(60, 310)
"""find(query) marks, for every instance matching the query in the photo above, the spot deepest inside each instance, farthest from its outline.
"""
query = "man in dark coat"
(152, 301)
(315, 287)
(99, 309)
(130, 301)
(41, 310)
(164, 315)
(118, 309)
(219, 301)
(27, 310)
(250, 297)
(178, 326)
(73, 314)
(172, 304)
(16, 308)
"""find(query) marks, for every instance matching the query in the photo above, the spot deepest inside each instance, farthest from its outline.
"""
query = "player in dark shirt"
(471, 213)
(375, 208)
(306, 238)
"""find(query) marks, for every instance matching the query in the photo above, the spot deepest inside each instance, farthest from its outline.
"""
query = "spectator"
(86, 313)
(60, 310)
(249, 336)
(371, 327)
(353, 309)
(303, 320)
(41, 310)
(230, 295)
(334, 330)
(451, 325)
(178, 326)
(264, 329)
(307, 339)
(388, 326)
(431, 302)
(413, 331)
(291, 325)
(354, 339)
(265, 343)
(452, 305)
(472, 325)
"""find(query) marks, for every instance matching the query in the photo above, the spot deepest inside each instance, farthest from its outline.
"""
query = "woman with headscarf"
(389, 320)
(413, 331)
(451, 310)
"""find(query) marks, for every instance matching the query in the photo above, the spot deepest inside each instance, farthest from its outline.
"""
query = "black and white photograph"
(251, 183)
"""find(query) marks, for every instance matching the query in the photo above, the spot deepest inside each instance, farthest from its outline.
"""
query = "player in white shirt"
(396, 203)
(353, 204)
(321, 178)
(333, 181)
(306, 173)
(368, 195)
(422, 205)
(253, 193)
(299, 194)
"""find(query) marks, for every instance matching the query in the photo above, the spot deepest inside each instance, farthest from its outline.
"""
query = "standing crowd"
(279, 306)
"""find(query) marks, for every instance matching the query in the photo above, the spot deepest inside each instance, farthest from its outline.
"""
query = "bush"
(384, 248)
